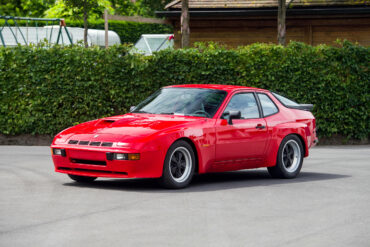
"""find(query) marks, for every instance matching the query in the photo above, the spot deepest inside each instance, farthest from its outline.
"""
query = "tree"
(61, 10)
(144, 8)
(84, 6)
(33, 8)
(281, 26)
(185, 29)
(148, 7)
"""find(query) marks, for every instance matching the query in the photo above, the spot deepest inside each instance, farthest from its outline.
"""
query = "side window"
(268, 106)
(245, 103)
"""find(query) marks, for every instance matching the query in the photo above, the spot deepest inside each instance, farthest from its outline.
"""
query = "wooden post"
(310, 33)
(281, 27)
(185, 29)
(85, 27)
(106, 27)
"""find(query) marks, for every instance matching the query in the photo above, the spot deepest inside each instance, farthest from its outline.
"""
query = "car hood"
(129, 127)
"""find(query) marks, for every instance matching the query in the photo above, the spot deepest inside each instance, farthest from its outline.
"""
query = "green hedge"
(129, 32)
(46, 90)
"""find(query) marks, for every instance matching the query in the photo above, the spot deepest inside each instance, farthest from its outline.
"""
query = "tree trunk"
(185, 29)
(85, 27)
(281, 28)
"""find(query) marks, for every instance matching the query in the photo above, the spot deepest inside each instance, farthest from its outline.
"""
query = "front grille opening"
(89, 162)
(95, 143)
(107, 144)
(90, 170)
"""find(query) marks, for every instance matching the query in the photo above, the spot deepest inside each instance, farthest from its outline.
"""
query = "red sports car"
(186, 129)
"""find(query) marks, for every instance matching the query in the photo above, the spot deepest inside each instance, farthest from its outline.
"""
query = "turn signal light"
(133, 156)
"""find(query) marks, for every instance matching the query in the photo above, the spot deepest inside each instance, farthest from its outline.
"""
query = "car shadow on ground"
(208, 182)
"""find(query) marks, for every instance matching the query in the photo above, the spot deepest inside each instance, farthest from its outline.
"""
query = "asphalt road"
(328, 205)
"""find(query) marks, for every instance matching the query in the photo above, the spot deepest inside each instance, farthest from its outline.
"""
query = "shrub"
(46, 90)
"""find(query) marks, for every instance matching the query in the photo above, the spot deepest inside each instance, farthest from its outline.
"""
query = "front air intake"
(107, 144)
(95, 143)
(89, 162)
(88, 143)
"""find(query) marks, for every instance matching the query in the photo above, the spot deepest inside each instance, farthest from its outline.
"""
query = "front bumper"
(88, 161)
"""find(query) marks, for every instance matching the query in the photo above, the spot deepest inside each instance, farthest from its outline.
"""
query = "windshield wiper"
(167, 113)
(140, 111)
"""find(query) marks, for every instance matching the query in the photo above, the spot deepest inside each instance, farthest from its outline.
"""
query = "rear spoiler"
(305, 107)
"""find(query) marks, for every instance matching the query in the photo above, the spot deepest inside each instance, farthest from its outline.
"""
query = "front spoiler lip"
(92, 173)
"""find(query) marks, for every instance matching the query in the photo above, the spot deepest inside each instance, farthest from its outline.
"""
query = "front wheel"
(290, 158)
(178, 167)
(82, 179)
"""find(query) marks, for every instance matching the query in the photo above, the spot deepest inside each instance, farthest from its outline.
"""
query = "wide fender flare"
(162, 142)
(280, 132)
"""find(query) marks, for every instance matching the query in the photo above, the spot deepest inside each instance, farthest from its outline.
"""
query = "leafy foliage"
(35, 8)
(74, 8)
(138, 7)
(46, 90)
(63, 9)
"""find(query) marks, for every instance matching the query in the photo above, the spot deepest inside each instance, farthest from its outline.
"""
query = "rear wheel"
(290, 158)
(179, 164)
(82, 179)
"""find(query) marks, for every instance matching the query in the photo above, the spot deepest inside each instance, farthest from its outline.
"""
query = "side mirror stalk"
(233, 115)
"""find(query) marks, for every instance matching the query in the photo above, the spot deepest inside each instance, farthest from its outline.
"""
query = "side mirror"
(132, 108)
(232, 115)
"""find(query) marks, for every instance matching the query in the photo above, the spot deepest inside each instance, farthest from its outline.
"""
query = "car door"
(243, 142)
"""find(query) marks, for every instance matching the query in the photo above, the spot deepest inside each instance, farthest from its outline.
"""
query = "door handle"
(260, 126)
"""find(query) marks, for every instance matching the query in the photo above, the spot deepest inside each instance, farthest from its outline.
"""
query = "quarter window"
(245, 103)
(268, 106)
(285, 101)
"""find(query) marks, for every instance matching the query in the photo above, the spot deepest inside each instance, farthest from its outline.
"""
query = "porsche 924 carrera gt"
(184, 130)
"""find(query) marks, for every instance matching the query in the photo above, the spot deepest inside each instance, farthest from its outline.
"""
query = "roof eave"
(266, 11)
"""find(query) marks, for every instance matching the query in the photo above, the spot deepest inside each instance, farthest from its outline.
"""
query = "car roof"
(228, 88)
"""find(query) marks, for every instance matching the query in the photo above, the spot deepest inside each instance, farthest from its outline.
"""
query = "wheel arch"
(301, 138)
(304, 144)
(279, 137)
(192, 144)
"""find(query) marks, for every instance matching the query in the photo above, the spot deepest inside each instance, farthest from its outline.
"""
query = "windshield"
(183, 101)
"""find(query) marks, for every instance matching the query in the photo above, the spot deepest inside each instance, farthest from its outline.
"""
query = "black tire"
(82, 179)
(287, 157)
(175, 174)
